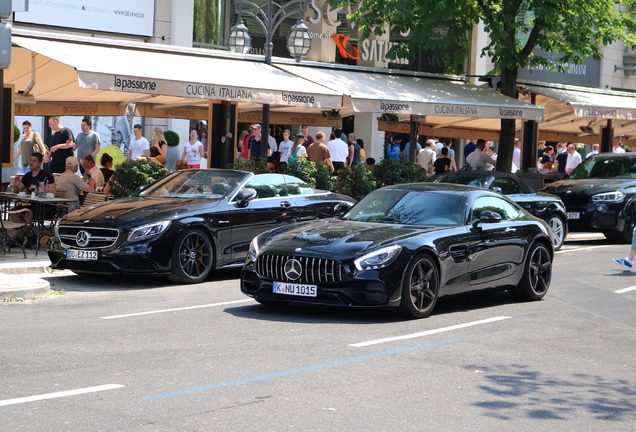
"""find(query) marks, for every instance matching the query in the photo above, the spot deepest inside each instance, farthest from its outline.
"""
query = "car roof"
(440, 187)
(525, 188)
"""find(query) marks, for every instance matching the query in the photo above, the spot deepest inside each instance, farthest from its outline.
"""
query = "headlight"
(254, 250)
(378, 259)
(146, 231)
(615, 196)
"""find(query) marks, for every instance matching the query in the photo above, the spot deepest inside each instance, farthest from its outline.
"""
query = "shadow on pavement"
(344, 315)
(512, 392)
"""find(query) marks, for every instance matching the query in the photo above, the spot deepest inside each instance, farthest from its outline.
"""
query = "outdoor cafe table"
(38, 208)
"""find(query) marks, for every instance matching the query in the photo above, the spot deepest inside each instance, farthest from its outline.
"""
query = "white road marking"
(177, 309)
(579, 249)
(430, 332)
(624, 290)
(59, 394)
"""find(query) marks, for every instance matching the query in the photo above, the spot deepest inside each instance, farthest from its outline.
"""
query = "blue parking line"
(294, 371)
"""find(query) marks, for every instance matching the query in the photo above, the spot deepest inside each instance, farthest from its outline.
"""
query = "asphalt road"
(139, 354)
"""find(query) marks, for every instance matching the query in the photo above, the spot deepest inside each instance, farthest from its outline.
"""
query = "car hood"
(337, 238)
(589, 186)
(139, 209)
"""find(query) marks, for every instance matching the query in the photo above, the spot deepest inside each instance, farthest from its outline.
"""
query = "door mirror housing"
(245, 196)
(342, 208)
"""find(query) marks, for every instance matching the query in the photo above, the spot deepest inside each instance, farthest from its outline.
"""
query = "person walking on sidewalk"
(627, 262)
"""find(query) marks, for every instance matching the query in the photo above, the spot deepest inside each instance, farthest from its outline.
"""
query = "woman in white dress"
(193, 151)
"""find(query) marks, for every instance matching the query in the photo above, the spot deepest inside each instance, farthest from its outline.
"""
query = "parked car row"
(401, 247)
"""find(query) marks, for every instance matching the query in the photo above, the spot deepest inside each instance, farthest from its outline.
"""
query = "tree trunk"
(507, 131)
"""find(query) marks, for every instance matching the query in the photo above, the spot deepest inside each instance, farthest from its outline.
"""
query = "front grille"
(98, 238)
(314, 270)
(575, 200)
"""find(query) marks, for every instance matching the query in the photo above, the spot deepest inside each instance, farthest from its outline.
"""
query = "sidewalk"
(20, 277)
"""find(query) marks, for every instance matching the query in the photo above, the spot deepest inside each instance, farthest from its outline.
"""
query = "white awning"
(591, 103)
(156, 71)
(404, 94)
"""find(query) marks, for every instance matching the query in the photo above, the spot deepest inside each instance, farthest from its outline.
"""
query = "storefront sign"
(104, 81)
(115, 16)
(341, 43)
(289, 119)
(191, 113)
(605, 113)
(70, 109)
(586, 74)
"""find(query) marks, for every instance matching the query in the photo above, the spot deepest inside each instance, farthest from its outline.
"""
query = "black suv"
(600, 195)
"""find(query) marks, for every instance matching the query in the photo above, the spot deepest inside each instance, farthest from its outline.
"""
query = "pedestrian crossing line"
(59, 394)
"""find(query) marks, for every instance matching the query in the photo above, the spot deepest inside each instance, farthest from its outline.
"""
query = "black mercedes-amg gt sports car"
(403, 247)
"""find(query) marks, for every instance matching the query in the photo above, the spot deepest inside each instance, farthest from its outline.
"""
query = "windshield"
(409, 207)
(210, 184)
(606, 168)
(465, 179)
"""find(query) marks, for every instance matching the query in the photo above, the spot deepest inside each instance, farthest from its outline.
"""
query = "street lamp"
(270, 16)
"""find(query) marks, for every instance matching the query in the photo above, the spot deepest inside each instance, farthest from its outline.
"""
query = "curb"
(23, 287)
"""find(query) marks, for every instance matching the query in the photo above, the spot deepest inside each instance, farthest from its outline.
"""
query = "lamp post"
(270, 16)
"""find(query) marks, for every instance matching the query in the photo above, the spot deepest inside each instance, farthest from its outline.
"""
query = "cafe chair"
(20, 225)
(94, 198)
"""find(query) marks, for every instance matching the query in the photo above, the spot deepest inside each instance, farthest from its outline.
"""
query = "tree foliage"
(130, 175)
(575, 29)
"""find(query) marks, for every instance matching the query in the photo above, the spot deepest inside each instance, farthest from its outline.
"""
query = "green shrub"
(130, 175)
(324, 179)
(16, 133)
(390, 171)
(255, 165)
(304, 169)
(356, 183)
(172, 138)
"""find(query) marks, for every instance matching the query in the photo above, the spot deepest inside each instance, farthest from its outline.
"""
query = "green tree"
(206, 22)
(573, 28)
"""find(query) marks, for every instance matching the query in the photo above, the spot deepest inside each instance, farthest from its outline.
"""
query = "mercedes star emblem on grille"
(83, 237)
(293, 269)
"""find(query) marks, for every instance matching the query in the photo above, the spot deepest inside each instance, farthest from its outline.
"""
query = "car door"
(270, 208)
(497, 247)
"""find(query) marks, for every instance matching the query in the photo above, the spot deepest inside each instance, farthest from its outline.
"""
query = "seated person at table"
(30, 182)
(107, 167)
(92, 175)
(32, 179)
(72, 183)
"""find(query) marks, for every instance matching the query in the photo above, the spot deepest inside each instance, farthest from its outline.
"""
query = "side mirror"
(342, 207)
(245, 196)
(486, 216)
(497, 189)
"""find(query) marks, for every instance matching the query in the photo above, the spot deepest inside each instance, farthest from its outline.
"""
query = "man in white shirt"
(516, 154)
(339, 150)
(426, 157)
(139, 146)
(574, 159)
(618, 148)
(594, 151)
(479, 159)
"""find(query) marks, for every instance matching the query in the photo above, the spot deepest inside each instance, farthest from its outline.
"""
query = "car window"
(506, 210)
(211, 184)
(606, 167)
(507, 186)
(409, 207)
(278, 185)
(465, 179)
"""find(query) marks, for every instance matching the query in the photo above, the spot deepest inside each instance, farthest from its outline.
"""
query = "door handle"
(511, 230)
(285, 204)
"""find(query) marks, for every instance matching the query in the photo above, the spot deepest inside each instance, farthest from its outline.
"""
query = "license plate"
(573, 215)
(84, 255)
(295, 289)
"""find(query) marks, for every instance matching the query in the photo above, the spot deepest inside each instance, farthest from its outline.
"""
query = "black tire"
(560, 229)
(420, 288)
(537, 274)
(192, 257)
